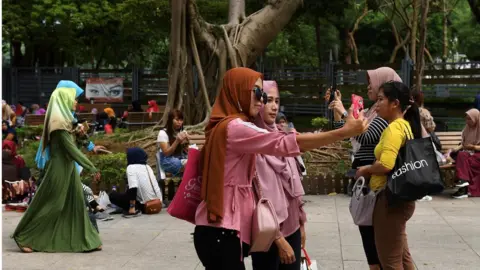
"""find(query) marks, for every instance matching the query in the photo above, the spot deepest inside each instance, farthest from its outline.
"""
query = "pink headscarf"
(471, 135)
(288, 182)
(378, 77)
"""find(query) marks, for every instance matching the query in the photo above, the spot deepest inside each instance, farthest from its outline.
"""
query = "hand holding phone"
(357, 102)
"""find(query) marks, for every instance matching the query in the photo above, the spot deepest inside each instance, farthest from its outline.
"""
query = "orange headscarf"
(232, 102)
(109, 112)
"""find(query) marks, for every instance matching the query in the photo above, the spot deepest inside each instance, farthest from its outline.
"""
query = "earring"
(239, 107)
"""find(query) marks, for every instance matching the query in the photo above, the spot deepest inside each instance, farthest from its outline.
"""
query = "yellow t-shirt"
(386, 151)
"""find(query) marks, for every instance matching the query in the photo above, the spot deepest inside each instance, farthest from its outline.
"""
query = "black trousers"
(219, 249)
(122, 200)
(271, 260)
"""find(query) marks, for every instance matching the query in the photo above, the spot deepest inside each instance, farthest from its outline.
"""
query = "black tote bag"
(416, 172)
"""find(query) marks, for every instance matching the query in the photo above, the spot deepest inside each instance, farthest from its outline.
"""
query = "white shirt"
(138, 177)
(162, 137)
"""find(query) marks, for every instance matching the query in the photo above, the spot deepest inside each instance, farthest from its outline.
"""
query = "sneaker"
(462, 193)
(425, 199)
(462, 183)
(127, 215)
(103, 216)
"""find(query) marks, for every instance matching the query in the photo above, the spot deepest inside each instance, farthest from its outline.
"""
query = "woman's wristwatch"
(344, 114)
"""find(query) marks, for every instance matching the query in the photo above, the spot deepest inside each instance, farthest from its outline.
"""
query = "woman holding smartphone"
(364, 144)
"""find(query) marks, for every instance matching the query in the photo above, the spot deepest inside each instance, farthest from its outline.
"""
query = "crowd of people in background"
(251, 151)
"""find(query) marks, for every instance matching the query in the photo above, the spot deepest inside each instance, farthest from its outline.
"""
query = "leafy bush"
(28, 152)
(320, 122)
(112, 167)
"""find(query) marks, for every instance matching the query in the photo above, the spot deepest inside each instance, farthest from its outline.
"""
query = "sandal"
(136, 214)
(24, 249)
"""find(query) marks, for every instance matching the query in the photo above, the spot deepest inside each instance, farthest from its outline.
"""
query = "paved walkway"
(443, 234)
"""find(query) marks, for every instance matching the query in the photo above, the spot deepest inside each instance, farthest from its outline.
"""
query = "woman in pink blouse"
(280, 182)
(224, 217)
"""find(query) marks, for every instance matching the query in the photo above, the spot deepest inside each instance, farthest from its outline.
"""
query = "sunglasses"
(260, 95)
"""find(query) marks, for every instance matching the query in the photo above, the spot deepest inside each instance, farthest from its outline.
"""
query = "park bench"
(140, 120)
(34, 120)
(449, 140)
(89, 107)
(37, 120)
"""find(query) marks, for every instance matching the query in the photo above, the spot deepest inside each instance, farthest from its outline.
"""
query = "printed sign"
(104, 90)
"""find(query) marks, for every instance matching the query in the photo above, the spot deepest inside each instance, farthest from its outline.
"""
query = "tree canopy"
(123, 33)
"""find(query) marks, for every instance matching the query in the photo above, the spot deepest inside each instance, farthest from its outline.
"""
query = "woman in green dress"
(57, 220)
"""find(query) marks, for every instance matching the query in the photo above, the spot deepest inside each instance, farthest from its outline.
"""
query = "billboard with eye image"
(104, 89)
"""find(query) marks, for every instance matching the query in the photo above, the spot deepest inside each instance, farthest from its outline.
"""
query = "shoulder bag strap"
(406, 133)
(257, 186)
(148, 172)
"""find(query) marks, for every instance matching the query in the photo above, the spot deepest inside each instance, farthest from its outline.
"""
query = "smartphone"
(357, 102)
(333, 89)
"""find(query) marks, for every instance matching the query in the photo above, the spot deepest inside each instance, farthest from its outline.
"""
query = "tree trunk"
(212, 49)
(351, 34)
(413, 42)
(347, 47)
(16, 53)
(318, 34)
(445, 32)
(475, 7)
(420, 64)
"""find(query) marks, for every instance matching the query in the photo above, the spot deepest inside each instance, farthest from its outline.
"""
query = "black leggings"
(271, 260)
(368, 240)
(219, 249)
(122, 200)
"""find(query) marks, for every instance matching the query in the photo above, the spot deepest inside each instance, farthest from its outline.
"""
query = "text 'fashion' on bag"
(416, 172)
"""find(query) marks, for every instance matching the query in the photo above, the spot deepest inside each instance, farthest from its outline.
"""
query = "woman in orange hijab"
(112, 120)
(224, 217)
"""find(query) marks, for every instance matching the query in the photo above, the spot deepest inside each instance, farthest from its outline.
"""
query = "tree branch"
(351, 34)
(261, 27)
(196, 22)
(201, 77)
(236, 11)
(231, 51)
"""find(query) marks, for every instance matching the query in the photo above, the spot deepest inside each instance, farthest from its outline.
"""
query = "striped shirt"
(87, 191)
(367, 140)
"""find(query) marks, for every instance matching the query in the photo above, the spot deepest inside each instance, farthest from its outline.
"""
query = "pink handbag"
(265, 225)
(185, 203)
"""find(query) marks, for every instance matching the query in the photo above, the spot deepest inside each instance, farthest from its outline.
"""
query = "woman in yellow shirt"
(395, 104)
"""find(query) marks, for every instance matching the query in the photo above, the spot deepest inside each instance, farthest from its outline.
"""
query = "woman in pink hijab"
(280, 182)
(364, 144)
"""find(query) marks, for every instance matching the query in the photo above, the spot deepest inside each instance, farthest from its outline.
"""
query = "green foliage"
(28, 152)
(112, 168)
(123, 33)
(320, 122)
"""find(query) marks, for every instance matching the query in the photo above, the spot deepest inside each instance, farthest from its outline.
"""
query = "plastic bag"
(103, 200)
(306, 263)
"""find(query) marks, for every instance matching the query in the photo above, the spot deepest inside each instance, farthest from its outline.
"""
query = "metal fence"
(302, 88)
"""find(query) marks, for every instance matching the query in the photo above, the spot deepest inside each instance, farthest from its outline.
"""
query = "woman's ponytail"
(412, 115)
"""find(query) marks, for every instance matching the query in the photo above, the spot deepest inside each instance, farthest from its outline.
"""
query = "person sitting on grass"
(142, 185)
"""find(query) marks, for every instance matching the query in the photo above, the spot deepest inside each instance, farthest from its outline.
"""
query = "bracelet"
(132, 205)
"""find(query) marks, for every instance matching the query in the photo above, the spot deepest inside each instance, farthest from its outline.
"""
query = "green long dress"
(56, 220)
